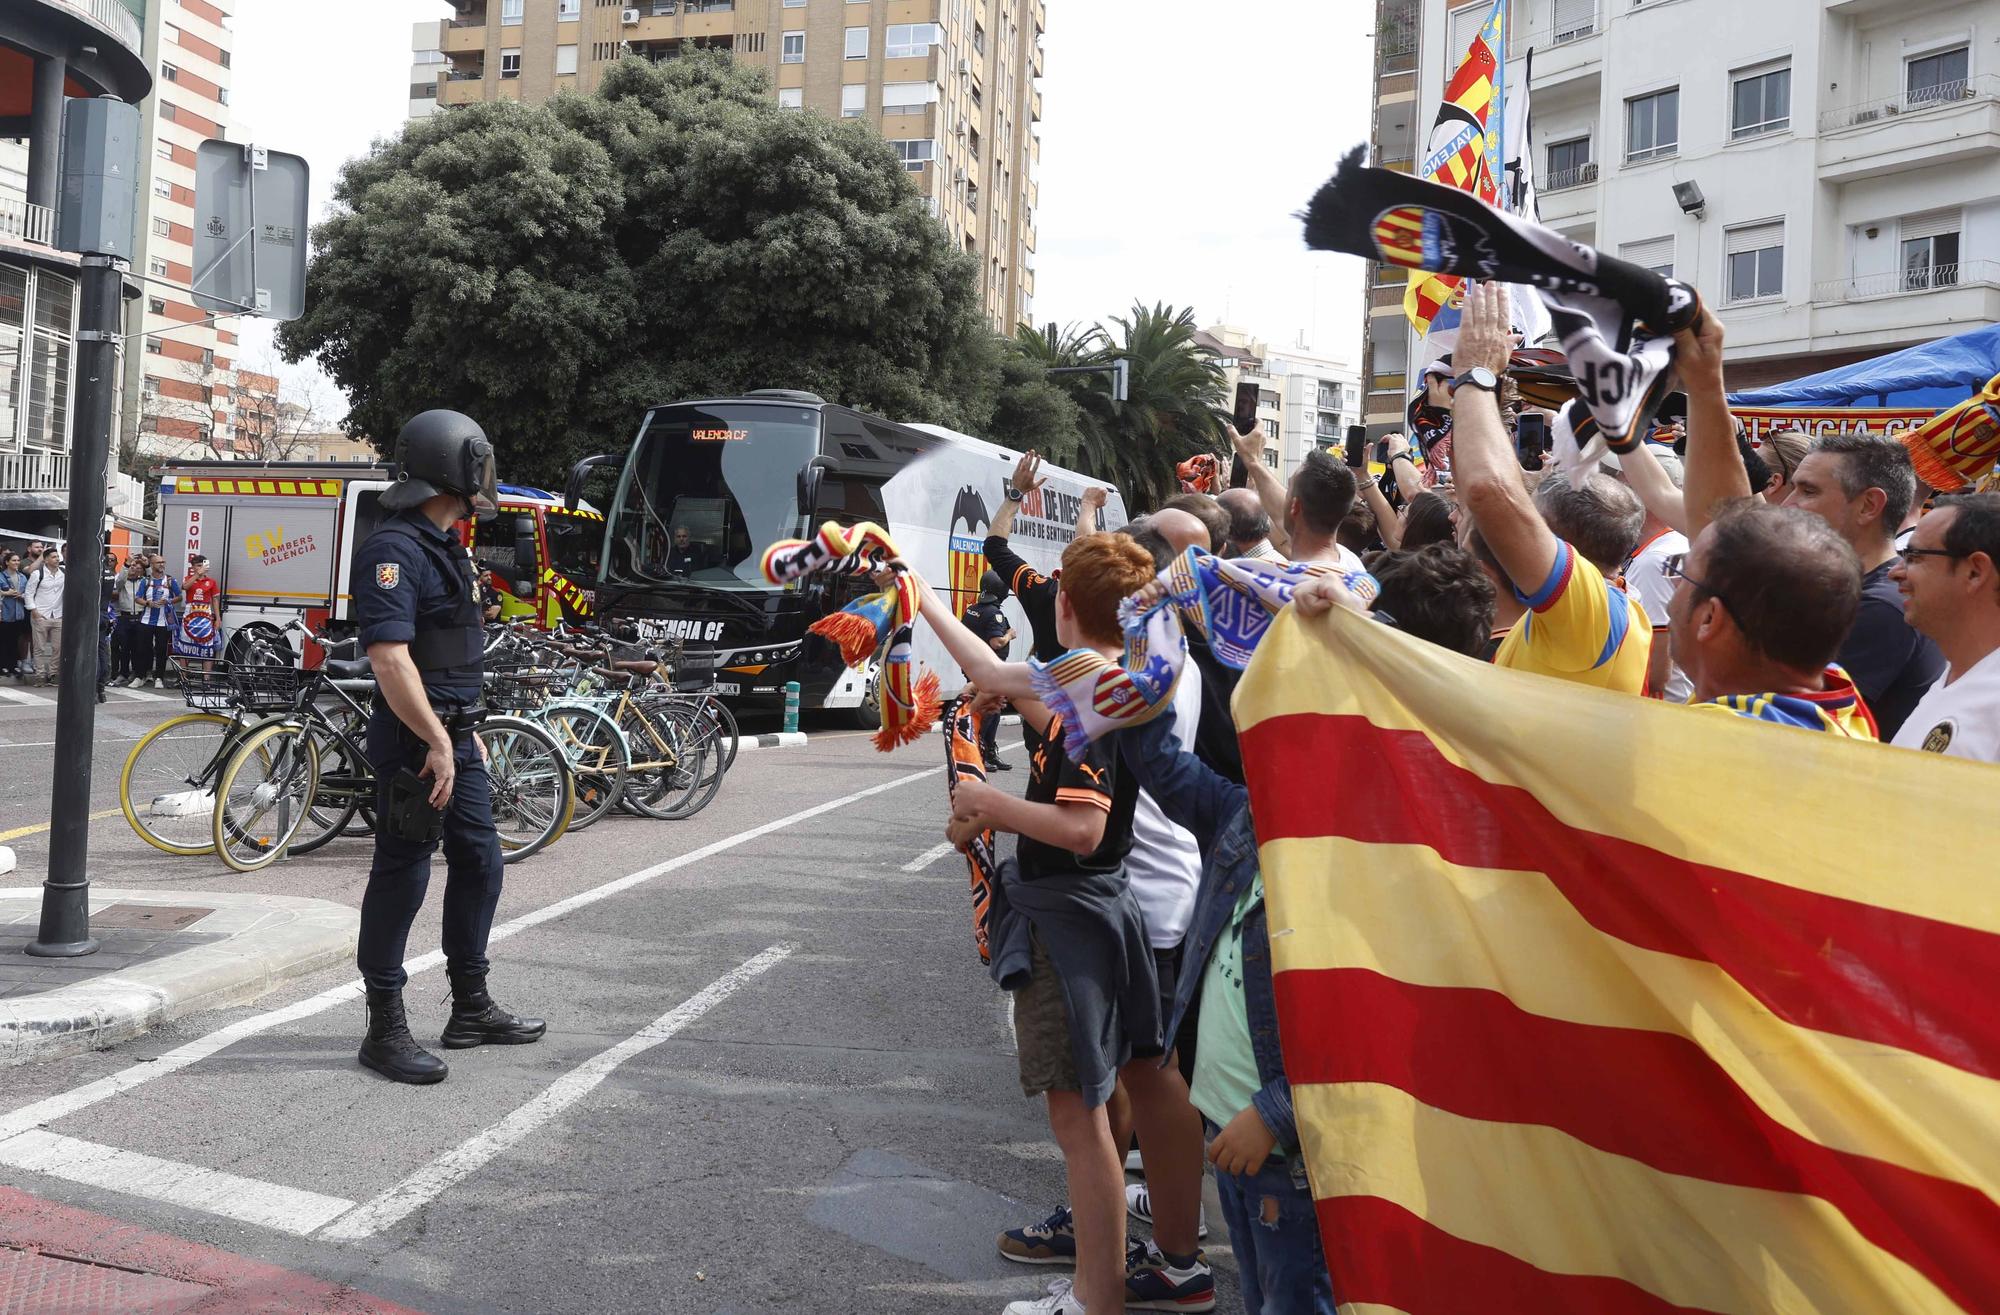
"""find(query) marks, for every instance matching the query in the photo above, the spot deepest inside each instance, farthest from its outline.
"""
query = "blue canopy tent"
(1937, 374)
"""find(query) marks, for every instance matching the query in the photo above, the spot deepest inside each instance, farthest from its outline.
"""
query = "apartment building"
(49, 50)
(950, 83)
(1304, 400)
(180, 378)
(1826, 172)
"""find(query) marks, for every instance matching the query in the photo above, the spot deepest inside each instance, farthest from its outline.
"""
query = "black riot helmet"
(443, 452)
(991, 587)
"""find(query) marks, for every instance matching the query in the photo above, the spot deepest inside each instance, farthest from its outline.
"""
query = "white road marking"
(22, 696)
(469, 1156)
(287, 1209)
(64, 1104)
(928, 857)
(125, 693)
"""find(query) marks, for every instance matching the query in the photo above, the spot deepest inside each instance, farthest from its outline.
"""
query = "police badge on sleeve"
(387, 574)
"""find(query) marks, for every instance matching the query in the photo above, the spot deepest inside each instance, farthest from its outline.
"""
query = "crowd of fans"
(1764, 582)
(141, 605)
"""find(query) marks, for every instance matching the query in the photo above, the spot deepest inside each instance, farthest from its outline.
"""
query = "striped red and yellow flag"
(1562, 1040)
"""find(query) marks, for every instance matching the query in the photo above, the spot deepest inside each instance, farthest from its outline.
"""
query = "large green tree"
(552, 270)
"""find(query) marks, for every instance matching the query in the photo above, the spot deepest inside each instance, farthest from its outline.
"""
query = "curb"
(778, 740)
(268, 939)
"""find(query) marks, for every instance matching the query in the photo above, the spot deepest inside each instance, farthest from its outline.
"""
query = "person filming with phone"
(418, 604)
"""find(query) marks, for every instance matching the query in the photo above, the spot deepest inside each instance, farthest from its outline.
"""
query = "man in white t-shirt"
(1950, 579)
(1648, 583)
(44, 599)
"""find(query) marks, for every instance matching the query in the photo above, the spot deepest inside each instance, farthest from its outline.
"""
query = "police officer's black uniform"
(414, 584)
(985, 619)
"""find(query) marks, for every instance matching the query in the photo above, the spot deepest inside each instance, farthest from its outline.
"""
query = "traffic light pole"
(65, 925)
(1120, 371)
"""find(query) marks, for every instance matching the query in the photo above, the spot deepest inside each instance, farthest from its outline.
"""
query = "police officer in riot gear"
(418, 605)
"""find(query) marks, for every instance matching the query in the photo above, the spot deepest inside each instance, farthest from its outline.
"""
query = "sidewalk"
(53, 1258)
(163, 954)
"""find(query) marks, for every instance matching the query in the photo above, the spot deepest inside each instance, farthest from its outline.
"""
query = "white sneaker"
(158, 683)
(1133, 1164)
(1139, 1204)
(1060, 1301)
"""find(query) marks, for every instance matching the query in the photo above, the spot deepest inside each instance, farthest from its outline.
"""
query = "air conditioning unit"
(630, 16)
(964, 65)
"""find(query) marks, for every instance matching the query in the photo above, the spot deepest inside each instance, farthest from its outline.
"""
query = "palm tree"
(1173, 406)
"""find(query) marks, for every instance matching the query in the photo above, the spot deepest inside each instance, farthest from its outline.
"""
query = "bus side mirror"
(573, 487)
(811, 475)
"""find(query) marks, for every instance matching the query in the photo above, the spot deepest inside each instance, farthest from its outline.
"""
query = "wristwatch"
(1478, 377)
(1394, 457)
(1014, 494)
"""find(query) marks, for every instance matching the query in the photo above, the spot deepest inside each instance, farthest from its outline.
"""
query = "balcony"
(22, 222)
(1894, 282)
(460, 38)
(35, 470)
(1388, 383)
(1949, 124)
(1583, 175)
(462, 90)
(1905, 306)
(116, 18)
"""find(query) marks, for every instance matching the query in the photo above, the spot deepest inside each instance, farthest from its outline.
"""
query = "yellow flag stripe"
(1569, 1208)
(1621, 753)
(1407, 913)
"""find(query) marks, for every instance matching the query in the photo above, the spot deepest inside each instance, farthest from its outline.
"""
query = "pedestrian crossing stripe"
(276, 488)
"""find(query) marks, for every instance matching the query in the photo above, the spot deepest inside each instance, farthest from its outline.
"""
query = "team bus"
(708, 485)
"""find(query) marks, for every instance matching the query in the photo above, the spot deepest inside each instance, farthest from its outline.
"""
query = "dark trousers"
(13, 637)
(103, 655)
(989, 732)
(402, 869)
(150, 652)
(125, 640)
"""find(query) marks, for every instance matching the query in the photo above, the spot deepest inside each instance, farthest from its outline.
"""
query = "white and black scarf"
(1615, 320)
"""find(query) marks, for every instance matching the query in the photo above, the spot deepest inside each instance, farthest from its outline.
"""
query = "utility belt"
(461, 721)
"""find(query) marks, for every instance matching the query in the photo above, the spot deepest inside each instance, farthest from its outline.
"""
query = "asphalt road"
(776, 1077)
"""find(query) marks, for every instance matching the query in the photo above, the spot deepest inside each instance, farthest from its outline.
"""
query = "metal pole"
(65, 926)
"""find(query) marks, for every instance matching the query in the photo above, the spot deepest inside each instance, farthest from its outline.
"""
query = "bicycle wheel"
(344, 781)
(683, 776)
(533, 792)
(725, 726)
(264, 795)
(597, 755)
(167, 787)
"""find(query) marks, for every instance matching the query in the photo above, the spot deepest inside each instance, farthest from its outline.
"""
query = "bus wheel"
(867, 714)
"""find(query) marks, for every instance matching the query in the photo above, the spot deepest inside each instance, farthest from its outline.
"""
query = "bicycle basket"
(247, 687)
(694, 668)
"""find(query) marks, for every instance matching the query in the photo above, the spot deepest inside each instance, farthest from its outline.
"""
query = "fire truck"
(280, 539)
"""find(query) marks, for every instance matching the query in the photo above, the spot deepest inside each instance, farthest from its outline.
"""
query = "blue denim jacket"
(1218, 812)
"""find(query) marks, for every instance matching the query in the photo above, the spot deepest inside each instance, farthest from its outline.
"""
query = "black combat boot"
(390, 1049)
(477, 1021)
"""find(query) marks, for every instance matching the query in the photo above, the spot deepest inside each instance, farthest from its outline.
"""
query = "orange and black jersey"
(1037, 594)
(1056, 778)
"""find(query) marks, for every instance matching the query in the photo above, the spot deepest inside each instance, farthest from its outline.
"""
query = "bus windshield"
(708, 489)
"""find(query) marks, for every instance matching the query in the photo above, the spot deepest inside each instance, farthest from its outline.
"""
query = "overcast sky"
(1178, 139)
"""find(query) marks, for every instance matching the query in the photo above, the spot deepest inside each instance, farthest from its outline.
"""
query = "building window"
(150, 385)
(791, 98)
(795, 4)
(1653, 125)
(510, 64)
(1938, 77)
(853, 101)
(1573, 20)
(1656, 254)
(914, 152)
(978, 39)
(565, 60)
(164, 151)
(157, 305)
(222, 58)
(1756, 261)
(510, 12)
(1760, 103)
(1569, 164)
(154, 346)
(857, 43)
(168, 112)
(1930, 250)
(910, 40)
(793, 49)
(222, 95)
(161, 187)
(170, 73)
(423, 91)
(908, 97)
(162, 227)
(156, 267)
(568, 11)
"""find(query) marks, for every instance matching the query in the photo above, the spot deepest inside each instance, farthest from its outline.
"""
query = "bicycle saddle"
(357, 669)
